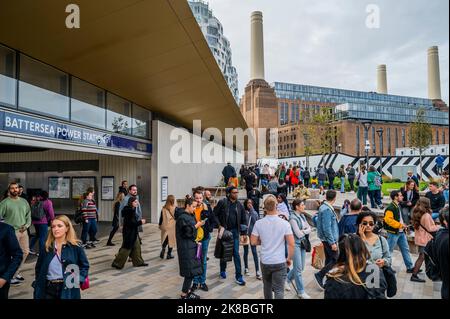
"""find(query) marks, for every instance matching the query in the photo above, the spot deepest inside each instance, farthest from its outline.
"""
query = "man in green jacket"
(16, 212)
(374, 182)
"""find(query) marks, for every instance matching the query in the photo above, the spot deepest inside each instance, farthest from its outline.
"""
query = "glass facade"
(284, 110)
(398, 113)
(340, 96)
(87, 104)
(7, 76)
(140, 121)
(43, 89)
(118, 114)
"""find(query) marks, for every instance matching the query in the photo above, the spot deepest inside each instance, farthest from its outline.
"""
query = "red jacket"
(294, 177)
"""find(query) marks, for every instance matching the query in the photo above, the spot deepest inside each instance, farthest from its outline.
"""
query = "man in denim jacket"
(328, 233)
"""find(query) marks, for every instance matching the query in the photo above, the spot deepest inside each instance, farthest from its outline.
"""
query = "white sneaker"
(286, 286)
(15, 282)
(246, 271)
(304, 296)
(258, 275)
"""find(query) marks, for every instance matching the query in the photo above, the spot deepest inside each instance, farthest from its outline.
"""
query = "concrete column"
(434, 78)
(381, 79)
(257, 47)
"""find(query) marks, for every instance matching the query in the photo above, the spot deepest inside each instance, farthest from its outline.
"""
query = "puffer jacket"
(224, 247)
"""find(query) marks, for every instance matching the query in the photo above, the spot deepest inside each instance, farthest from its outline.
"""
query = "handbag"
(305, 244)
(318, 257)
(389, 275)
(85, 284)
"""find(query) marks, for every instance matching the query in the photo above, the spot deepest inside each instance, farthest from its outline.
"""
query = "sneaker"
(223, 274)
(303, 296)
(319, 281)
(15, 282)
(95, 241)
(416, 278)
(194, 287)
(20, 277)
(204, 287)
(246, 271)
(92, 245)
(86, 246)
(240, 281)
(190, 295)
(258, 275)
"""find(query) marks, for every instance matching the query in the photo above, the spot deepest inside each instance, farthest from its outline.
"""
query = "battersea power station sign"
(27, 125)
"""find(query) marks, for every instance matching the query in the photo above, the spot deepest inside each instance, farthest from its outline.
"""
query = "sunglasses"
(368, 223)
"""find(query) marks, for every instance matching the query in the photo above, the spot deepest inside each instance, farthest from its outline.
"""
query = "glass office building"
(357, 105)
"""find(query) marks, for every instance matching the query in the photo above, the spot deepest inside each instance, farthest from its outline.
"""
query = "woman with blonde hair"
(424, 230)
(167, 227)
(347, 280)
(56, 274)
(115, 222)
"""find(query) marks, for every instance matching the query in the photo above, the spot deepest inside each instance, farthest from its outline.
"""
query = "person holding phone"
(131, 245)
(186, 230)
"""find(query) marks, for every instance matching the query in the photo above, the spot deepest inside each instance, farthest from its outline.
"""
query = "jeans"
(201, 279)
(331, 258)
(255, 256)
(402, 242)
(342, 184)
(362, 194)
(41, 235)
(274, 277)
(331, 182)
(321, 182)
(299, 266)
(375, 198)
(351, 182)
(236, 257)
(89, 228)
(187, 283)
(435, 215)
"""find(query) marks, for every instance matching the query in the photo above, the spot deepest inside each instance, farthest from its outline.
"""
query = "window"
(87, 104)
(7, 76)
(389, 140)
(118, 114)
(141, 121)
(403, 138)
(357, 141)
(43, 89)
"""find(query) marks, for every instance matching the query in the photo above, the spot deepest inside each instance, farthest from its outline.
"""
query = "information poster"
(107, 188)
(164, 188)
(59, 187)
(80, 185)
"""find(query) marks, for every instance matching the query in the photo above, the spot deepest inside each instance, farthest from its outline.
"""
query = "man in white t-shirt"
(272, 233)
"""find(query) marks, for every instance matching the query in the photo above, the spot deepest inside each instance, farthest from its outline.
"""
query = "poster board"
(59, 187)
(80, 185)
(164, 188)
(107, 188)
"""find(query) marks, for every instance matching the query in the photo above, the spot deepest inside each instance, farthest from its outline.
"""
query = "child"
(314, 182)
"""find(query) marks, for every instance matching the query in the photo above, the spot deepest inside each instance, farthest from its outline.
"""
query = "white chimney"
(257, 47)
(381, 79)
(434, 78)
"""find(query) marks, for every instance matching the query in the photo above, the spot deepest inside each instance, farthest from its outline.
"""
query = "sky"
(327, 42)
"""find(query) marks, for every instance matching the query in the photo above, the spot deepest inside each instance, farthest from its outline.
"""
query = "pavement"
(161, 280)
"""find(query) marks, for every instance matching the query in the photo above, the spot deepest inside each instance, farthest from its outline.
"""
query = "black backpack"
(78, 218)
(37, 211)
(431, 266)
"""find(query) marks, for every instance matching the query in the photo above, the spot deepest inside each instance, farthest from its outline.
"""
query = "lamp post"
(306, 143)
(380, 135)
(367, 125)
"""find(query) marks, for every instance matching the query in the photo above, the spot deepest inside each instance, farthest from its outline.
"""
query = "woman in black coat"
(115, 222)
(186, 233)
(131, 245)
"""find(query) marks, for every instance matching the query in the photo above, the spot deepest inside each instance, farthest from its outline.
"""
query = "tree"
(420, 135)
(322, 132)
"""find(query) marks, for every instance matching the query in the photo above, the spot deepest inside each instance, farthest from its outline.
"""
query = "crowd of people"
(354, 240)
